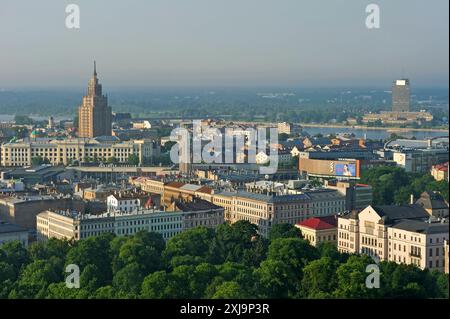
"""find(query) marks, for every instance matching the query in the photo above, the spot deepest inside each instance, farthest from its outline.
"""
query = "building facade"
(266, 210)
(285, 128)
(400, 96)
(440, 172)
(402, 234)
(418, 243)
(65, 152)
(22, 210)
(319, 230)
(74, 225)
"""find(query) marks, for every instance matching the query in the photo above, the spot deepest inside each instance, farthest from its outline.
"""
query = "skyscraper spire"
(94, 88)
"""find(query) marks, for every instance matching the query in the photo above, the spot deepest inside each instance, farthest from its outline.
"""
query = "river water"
(374, 134)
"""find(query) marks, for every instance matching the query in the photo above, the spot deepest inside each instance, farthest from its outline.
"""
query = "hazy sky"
(301, 43)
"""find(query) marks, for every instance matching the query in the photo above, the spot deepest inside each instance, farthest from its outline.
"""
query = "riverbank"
(361, 127)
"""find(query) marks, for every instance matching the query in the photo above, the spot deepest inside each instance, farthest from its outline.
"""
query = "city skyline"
(296, 44)
(230, 150)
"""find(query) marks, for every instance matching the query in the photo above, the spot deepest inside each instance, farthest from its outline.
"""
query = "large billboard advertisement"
(330, 168)
(348, 170)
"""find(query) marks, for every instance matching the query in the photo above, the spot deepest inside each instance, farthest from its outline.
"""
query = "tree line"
(232, 261)
(393, 185)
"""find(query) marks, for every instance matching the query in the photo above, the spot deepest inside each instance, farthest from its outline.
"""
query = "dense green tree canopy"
(232, 261)
(392, 185)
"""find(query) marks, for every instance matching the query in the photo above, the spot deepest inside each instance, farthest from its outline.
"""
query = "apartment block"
(74, 225)
(403, 233)
(265, 210)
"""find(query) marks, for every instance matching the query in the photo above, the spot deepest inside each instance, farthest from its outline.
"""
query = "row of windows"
(320, 238)
(345, 244)
(369, 241)
(167, 231)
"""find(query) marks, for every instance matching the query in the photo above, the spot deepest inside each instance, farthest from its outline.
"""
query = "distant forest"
(296, 105)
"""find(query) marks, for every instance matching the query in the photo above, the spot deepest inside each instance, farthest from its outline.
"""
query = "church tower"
(94, 114)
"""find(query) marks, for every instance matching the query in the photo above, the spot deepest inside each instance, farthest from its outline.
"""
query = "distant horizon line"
(216, 87)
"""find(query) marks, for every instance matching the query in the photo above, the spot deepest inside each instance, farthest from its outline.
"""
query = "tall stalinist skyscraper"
(94, 115)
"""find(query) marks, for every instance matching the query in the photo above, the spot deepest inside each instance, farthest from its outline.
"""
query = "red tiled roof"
(319, 223)
(441, 167)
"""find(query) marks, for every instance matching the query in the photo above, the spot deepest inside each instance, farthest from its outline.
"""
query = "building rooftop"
(422, 227)
(10, 228)
(195, 205)
(267, 198)
(190, 187)
(25, 198)
(125, 195)
(432, 200)
(319, 223)
(441, 167)
(397, 212)
(416, 144)
(76, 215)
(174, 184)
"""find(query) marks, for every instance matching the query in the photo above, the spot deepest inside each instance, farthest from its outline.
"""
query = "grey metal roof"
(10, 228)
(267, 198)
(396, 212)
(422, 227)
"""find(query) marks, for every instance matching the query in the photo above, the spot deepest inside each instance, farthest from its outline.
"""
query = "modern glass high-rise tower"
(400, 96)
(94, 114)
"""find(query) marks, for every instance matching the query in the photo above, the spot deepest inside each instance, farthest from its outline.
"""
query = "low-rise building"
(285, 128)
(11, 186)
(64, 152)
(131, 201)
(99, 192)
(75, 225)
(318, 230)
(39, 174)
(434, 204)
(440, 172)
(22, 209)
(397, 117)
